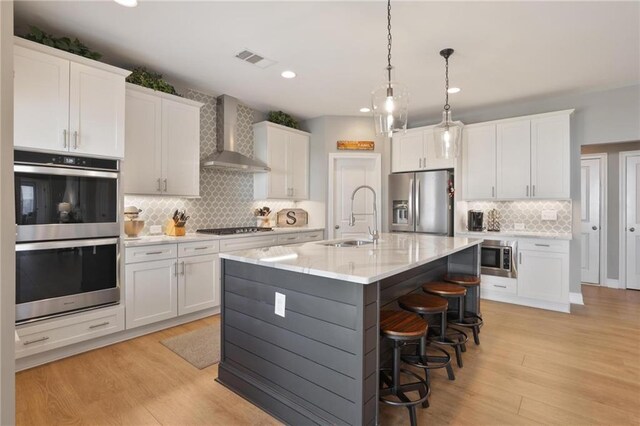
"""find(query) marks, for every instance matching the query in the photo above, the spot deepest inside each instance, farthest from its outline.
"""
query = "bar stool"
(427, 306)
(458, 338)
(472, 320)
(400, 328)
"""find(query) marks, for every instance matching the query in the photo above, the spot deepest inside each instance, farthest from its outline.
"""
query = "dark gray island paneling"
(317, 364)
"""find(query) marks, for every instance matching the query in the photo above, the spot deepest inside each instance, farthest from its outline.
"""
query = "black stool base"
(387, 390)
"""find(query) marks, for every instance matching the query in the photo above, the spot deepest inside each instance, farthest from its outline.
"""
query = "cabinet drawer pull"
(159, 185)
(165, 185)
(151, 253)
(99, 325)
(520, 258)
(313, 236)
(527, 190)
(64, 137)
(533, 190)
(201, 248)
(542, 245)
(75, 140)
(500, 286)
(42, 339)
(292, 238)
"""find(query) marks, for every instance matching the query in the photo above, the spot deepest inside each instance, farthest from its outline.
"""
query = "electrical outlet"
(281, 301)
(155, 229)
(518, 226)
(549, 215)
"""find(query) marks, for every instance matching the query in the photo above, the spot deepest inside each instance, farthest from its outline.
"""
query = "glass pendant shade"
(390, 107)
(447, 137)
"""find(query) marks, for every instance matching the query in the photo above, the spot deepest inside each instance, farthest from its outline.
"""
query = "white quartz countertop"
(519, 234)
(394, 253)
(147, 240)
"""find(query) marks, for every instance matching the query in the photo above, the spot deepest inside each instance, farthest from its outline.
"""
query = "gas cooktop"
(239, 230)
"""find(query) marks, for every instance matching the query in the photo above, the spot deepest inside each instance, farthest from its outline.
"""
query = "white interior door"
(349, 173)
(633, 222)
(590, 220)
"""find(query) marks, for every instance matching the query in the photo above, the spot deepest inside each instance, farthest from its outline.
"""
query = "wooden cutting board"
(288, 218)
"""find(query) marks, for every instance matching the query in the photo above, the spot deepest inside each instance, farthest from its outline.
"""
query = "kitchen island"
(300, 335)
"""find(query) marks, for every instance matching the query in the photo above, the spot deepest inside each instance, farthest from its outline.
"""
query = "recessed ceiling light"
(365, 109)
(288, 74)
(453, 89)
(127, 3)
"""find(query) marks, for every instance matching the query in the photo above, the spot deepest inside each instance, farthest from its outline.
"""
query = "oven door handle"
(48, 245)
(61, 171)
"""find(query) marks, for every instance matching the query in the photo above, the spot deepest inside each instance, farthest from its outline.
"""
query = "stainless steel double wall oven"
(67, 233)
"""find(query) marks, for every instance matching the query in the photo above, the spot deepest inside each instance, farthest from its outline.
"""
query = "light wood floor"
(533, 367)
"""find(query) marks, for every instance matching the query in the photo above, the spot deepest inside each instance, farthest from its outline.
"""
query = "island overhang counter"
(299, 331)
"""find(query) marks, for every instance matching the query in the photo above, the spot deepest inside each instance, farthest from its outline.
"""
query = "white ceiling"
(504, 50)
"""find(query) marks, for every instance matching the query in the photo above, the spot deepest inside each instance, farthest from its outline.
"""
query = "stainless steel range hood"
(226, 157)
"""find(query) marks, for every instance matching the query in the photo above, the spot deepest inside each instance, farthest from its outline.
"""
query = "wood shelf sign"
(356, 145)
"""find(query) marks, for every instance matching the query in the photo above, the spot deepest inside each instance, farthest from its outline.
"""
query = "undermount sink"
(348, 243)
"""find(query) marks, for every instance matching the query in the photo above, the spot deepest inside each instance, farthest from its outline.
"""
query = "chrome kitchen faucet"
(352, 219)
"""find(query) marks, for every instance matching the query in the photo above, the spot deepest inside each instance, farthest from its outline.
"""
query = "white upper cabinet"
(513, 159)
(479, 162)
(550, 157)
(180, 148)
(286, 152)
(416, 150)
(41, 100)
(66, 103)
(407, 151)
(525, 157)
(142, 167)
(162, 155)
(96, 111)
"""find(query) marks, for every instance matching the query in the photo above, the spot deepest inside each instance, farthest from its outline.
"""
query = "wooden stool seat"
(444, 289)
(461, 279)
(423, 303)
(402, 325)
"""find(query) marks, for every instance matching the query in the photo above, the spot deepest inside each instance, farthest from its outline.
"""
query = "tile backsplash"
(528, 213)
(226, 198)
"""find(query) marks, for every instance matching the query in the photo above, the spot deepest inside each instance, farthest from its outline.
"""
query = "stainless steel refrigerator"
(420, 202)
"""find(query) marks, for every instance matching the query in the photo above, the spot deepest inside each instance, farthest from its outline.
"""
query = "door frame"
(622, 233)
(604, 282)
(333, 157)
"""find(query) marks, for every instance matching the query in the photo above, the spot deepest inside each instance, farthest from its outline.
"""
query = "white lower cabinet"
(198, 283)
(543, 272)
(150, 292)
(156, 290)
(63, 331)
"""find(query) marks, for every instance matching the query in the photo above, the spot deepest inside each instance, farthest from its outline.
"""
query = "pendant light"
(447, 134)
(390, 101)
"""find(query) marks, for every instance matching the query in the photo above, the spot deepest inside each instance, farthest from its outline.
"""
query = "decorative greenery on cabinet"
(282, 118)
(74, 46)
(149, 79)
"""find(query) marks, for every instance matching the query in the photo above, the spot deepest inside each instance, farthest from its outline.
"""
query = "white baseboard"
(576, 298)
(612, 283)
(77, 348)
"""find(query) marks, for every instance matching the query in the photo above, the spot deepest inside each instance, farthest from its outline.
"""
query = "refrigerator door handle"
(410, 209)
(417, 203)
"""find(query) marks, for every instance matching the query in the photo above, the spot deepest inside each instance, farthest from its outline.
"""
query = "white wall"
(7, 220)
(325, 132)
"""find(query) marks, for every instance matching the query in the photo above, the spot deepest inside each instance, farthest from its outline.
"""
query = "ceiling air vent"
(255, 59)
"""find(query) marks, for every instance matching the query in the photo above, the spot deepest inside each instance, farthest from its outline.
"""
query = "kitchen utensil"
(133, 227)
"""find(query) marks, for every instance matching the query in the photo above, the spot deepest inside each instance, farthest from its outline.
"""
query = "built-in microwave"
(499, 258)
